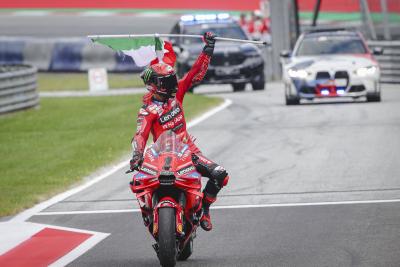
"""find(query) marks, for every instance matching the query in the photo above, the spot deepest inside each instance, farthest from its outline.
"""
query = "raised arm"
(199, 68)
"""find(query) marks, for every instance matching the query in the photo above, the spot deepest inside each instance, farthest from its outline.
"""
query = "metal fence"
(17, 87)
(389, 61)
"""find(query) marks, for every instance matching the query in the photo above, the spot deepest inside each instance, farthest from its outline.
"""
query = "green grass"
(44, 151)
(52, 82)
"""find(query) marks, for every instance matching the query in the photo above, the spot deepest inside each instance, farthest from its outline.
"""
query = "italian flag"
(143, 50)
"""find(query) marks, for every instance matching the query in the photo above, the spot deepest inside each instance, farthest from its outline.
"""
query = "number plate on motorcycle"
(226, 71)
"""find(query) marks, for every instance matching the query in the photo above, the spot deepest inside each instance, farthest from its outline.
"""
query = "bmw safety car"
(330, 63)
(231, 63)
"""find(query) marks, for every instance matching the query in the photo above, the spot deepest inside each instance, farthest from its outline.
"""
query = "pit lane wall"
(63, 54)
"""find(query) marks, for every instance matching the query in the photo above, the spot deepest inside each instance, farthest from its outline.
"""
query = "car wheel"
(374, 97)
(237, 87)
(258, 85)
(292, 100)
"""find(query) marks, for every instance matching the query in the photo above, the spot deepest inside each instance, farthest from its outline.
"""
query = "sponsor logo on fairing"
(169, 115)
(186, 170)
(148, 170)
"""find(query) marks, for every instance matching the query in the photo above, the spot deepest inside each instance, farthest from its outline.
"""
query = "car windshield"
(221, 30)
(324, 45)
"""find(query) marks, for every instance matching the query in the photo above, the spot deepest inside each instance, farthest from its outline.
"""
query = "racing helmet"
(160, 78)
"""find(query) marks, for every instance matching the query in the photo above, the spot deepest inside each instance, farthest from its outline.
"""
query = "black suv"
(232, 63)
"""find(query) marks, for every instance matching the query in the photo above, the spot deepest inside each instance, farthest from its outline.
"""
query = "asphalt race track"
(321, 181)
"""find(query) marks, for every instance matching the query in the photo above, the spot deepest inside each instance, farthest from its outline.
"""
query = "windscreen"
(168, 142)
(324, 45)
(221, 30)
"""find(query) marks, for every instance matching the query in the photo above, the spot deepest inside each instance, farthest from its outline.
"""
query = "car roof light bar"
(205, 17)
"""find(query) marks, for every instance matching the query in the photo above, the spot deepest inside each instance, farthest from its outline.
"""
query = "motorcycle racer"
(163, 110)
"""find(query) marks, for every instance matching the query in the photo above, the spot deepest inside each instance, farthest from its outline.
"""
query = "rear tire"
(167, 237)
(237, 87)
(374, 97)
(187, 251)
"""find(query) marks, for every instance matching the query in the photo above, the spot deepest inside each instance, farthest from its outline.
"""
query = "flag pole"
(95, 37)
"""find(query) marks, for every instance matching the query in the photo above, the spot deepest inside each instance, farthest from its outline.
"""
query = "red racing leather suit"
(157, 117)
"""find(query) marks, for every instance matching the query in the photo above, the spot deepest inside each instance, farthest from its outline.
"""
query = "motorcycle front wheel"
(167, 237)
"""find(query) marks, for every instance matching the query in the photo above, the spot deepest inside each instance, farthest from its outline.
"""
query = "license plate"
(226, 71)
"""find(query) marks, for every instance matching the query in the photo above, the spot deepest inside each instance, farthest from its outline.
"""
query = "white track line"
(300, 204)
(23, 216)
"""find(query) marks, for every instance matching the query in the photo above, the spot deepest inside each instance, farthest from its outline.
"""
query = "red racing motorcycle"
(168, 189)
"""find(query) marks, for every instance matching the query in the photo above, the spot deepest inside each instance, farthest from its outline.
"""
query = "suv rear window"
(325, 45)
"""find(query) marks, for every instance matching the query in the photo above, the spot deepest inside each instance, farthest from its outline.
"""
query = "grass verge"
(52, 82)
(44, 151)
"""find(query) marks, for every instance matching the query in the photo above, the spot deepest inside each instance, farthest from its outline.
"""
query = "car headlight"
(301, 74)
(365, 71)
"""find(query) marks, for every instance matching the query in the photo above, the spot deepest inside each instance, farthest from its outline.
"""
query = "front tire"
(237, 87)
(374, 97)
(167, 237)
(258, 86)
(292, 100)
(259, 83)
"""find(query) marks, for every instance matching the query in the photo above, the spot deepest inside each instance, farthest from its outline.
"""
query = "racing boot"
(205, 221)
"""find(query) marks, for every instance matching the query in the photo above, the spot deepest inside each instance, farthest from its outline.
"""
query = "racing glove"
(209, 39)
(136, 160)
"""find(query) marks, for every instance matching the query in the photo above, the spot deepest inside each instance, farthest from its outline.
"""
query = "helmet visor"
(168, 84)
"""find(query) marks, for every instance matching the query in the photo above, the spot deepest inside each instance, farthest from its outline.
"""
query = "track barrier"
(63, 54)
(18, 88)
(389, 61)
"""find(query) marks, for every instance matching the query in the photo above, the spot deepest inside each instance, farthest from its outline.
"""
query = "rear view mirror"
(377, 51)
(285, 53)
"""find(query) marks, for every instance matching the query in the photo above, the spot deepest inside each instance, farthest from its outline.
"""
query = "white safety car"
(331, 63)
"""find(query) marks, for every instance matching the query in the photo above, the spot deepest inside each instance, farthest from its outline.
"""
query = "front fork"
(168, 202)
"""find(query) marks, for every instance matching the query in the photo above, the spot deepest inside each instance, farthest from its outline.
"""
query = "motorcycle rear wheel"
(167, 248)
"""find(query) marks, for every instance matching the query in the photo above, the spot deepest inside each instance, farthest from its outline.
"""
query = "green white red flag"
(143, 50)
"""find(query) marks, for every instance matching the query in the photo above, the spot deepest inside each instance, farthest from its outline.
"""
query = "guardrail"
(63, 54)
(17, 87)
(389, 61)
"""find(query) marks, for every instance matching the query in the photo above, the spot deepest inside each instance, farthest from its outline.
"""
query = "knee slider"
(220, 176)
